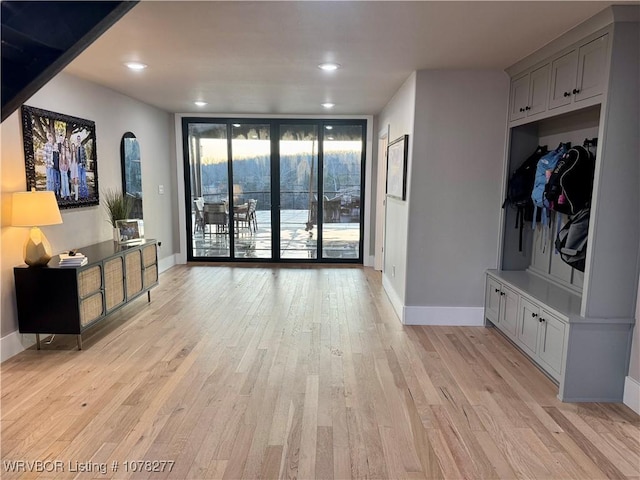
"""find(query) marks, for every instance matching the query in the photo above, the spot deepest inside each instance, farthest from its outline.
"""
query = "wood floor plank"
(266, 371)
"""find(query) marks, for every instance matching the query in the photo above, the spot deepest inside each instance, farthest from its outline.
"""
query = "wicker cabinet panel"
(91, 309)
(149, 255)
(133, 265)
(114, 282)
(89, 281)
(150, 275)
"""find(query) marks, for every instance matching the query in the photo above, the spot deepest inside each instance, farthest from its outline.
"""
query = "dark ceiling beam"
(39, 39)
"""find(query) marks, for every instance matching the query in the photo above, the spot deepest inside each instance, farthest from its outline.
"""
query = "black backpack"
(571, 242)
(520, 188)
(569, 187)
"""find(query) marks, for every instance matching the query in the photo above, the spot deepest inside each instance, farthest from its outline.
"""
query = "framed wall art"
(60, 156)
(397, 152)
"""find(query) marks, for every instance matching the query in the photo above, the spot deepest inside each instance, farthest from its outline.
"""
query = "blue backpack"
(545, 167)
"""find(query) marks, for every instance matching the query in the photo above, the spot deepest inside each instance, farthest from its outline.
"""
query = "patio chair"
(216, 214)
(244, 215)
(199, 215)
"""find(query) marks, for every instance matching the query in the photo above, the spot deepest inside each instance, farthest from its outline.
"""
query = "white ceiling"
(262, 57)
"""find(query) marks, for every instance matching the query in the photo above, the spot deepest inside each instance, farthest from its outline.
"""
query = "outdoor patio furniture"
(245, 216)
(216, 214)
(199, 215)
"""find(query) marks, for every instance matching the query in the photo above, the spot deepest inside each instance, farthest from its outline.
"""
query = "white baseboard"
(631, 396)
(166, 263)
(395, 300)
(14, 343)
(369, 261)
(453, 316)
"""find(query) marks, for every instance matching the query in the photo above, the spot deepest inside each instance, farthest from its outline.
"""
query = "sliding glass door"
(342, 149)
(251, 186)
(274, 190)
(298, 191)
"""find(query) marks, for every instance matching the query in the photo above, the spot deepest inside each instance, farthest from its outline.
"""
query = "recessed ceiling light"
(329, 127)
(328, 105)
(237, 125)
(329, 67)
(136, 65)
(200, 103)
(329, 138)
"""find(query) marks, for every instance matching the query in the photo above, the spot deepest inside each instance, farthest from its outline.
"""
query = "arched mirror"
(132, 172)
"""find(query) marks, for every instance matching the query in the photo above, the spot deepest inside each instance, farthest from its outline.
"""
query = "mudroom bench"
(584, 356)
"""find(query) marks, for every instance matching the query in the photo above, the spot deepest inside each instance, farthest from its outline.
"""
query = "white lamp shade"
(35, 209)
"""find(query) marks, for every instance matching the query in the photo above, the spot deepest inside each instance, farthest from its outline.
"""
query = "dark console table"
(68, 300)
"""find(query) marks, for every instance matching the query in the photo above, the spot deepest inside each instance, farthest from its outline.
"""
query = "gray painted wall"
(399, 115)
(634, 364)
(454, 207)
(114, 114)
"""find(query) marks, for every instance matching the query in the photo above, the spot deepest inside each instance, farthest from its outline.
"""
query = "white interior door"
(383, 140)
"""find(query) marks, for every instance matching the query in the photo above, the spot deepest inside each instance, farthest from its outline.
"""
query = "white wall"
(454, 206)
(114, 114)
(398, 114)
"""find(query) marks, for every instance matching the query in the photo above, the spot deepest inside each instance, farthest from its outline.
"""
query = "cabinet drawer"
(150, 275)
(149, 255)
(91, 308)
(89, 281)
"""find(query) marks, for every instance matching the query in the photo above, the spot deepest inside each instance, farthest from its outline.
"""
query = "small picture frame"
(397, 153)
(130, 231)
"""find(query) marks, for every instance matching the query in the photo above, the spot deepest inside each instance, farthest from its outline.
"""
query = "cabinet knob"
(576, 90)
(534, 315)
(496, 290)
(568, 94)
(502, 294)
(541, 320)
(522, 109)
(527, 108)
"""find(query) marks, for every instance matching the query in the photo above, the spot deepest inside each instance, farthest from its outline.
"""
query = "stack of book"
(75, 260)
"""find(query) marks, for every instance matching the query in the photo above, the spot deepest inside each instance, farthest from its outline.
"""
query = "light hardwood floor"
(297, 372)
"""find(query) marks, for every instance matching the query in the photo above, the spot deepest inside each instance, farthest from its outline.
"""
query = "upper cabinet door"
(519, 97)
(563, 79)
(539, 88)
(592, 60)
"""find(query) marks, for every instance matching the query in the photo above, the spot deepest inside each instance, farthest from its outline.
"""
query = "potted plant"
(118, 207)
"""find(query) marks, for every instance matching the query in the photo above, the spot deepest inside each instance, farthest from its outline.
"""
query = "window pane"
(208, 161)
(342, 166)
(251, 152)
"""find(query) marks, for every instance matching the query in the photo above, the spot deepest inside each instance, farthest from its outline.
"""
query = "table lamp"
(34, 209)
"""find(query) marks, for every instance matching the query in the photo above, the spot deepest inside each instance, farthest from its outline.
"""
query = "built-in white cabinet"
(550, 349)
(526, 321)
(576, 326)
(580, 73)
(563, 79)
(528, 326)
(529, 93)
(571, 76)
(501, 306)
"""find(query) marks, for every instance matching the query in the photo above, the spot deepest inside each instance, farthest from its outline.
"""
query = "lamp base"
(37, 249)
